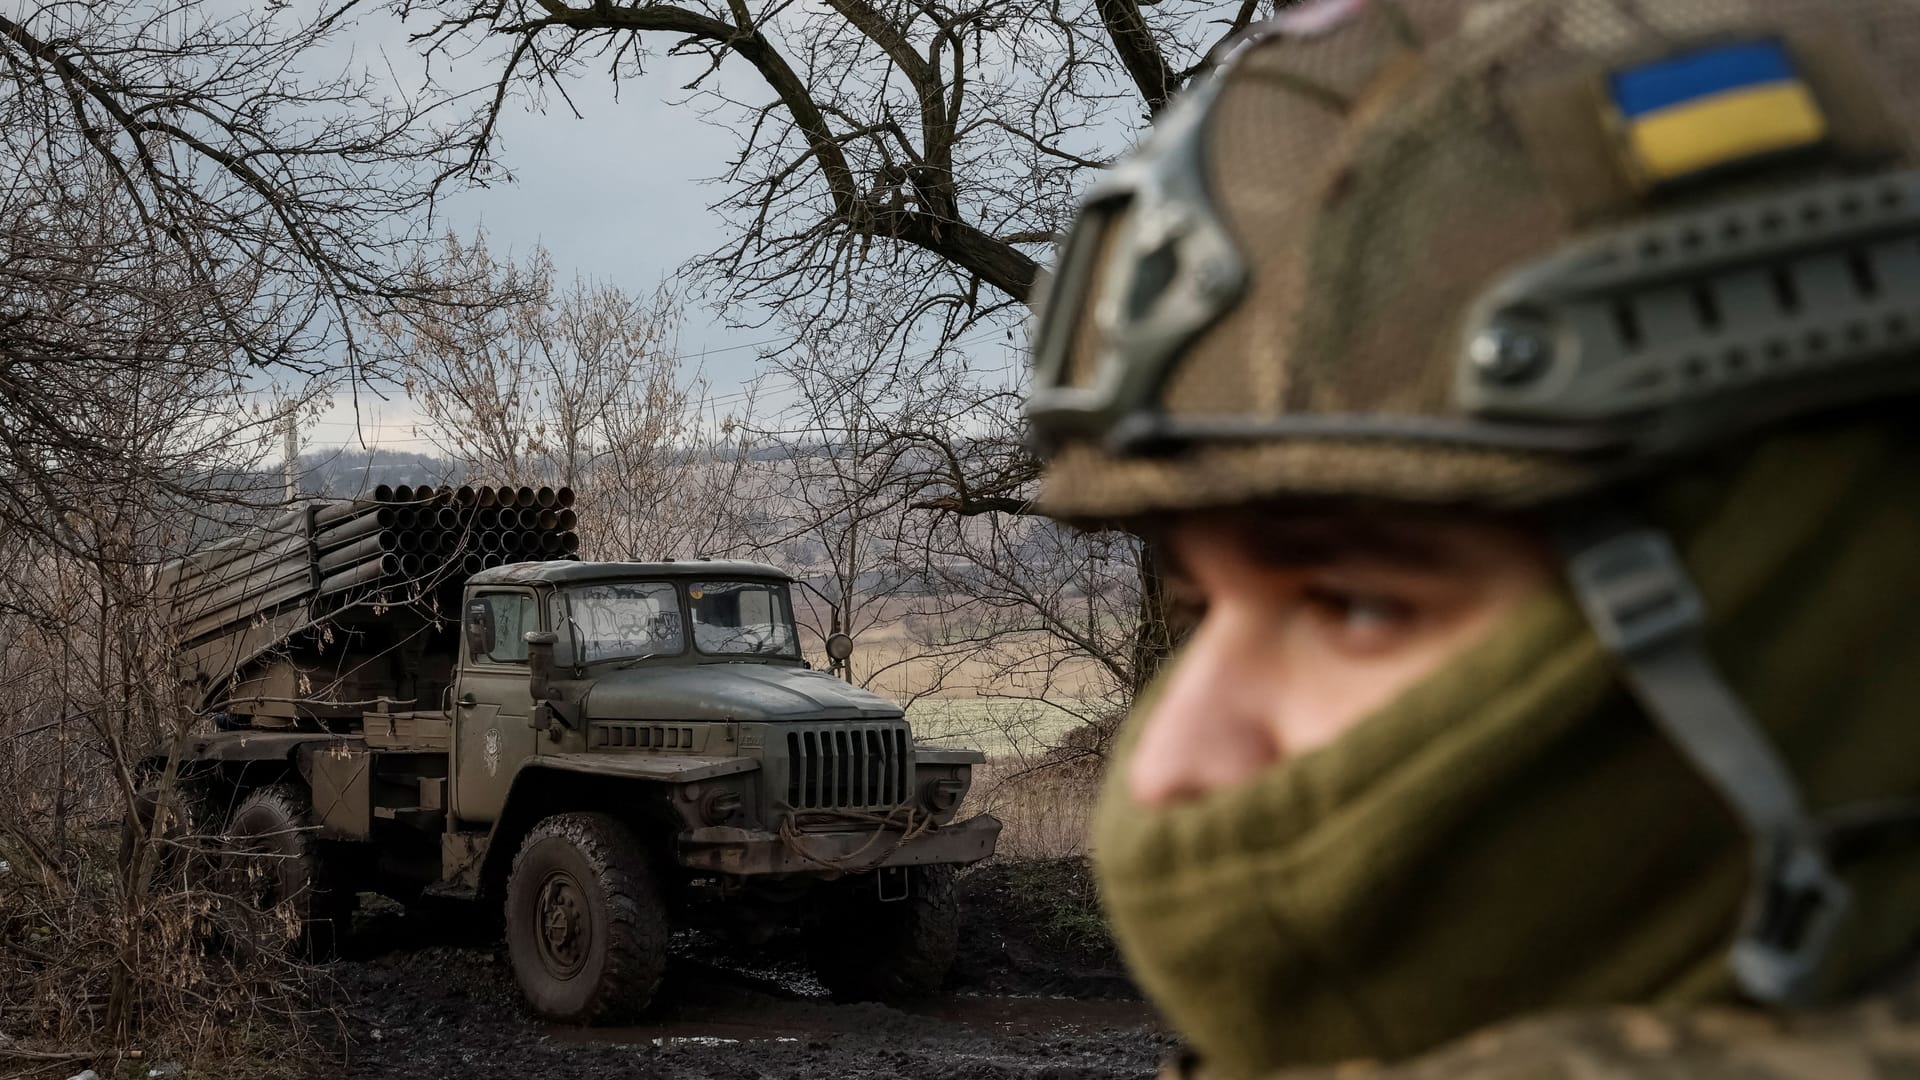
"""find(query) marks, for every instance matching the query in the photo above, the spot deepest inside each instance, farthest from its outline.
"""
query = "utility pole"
(291, 461)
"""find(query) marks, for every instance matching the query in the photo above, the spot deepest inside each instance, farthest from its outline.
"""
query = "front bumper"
(727, 850)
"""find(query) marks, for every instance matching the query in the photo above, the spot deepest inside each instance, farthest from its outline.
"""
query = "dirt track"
(425, 1004)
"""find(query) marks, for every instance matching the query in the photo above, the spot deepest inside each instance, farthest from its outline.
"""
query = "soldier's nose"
(1210, 726)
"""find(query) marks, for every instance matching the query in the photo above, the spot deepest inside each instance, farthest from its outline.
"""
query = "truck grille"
(849, 767)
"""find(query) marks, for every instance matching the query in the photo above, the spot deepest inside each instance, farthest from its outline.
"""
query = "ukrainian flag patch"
(1714, 107)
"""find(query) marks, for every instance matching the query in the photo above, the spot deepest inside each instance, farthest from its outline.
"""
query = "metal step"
(424, 818)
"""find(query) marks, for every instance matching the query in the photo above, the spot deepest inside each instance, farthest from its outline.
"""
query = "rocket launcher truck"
(427, 692)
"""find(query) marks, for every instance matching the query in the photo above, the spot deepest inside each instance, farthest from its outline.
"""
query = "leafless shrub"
(105, 922)
(185, 213)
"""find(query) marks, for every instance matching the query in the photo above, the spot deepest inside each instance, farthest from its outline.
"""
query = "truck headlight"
(943, 794)
(719, 806)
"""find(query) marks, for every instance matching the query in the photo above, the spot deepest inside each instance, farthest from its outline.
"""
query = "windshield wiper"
(625, 664)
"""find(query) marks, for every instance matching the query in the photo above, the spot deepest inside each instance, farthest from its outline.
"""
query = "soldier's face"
(1312, 623)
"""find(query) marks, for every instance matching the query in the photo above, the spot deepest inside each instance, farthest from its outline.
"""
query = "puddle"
(1038, 1015)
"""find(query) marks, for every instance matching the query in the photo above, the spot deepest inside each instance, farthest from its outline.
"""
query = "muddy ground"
(1037, 994)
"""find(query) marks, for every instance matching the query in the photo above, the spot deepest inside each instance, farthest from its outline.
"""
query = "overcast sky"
(615, 195)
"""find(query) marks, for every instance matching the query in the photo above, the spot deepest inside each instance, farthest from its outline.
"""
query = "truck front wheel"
(586, 927)
(868, 949)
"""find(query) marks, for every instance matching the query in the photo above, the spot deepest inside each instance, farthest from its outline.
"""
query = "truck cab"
(690, 673)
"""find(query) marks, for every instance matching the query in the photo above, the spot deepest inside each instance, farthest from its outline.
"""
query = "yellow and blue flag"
(1715, 107)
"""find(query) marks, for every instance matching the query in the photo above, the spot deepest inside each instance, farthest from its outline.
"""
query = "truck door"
(492, 705)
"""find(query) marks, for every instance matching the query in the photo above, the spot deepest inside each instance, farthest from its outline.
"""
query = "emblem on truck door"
(491, 751)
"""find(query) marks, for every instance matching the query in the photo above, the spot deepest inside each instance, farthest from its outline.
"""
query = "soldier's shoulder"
(1877, 1037)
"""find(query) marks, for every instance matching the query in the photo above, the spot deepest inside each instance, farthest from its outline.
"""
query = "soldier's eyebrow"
(1299, 543)
(1319, 538)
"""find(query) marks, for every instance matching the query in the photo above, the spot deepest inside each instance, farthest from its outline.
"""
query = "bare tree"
(297, 190)
(864, 473)
(833, 506)
(574, 384)
(1042, 613)
(190, 135)
(915, 157)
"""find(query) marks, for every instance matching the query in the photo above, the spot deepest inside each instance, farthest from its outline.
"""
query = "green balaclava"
(1513, 835)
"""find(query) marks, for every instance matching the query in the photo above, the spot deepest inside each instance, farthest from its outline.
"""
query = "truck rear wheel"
(171, 834)
(586, 926)
(868, 949)
(276, 895)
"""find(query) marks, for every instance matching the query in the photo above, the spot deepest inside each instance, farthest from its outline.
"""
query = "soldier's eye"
(1361, 620)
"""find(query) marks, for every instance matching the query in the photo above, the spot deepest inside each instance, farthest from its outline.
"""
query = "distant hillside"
(342, 473)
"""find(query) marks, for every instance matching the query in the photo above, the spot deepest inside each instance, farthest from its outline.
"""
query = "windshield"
(622, 619)
(732, 618)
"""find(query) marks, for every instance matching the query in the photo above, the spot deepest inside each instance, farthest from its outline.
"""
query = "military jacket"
(1879, 1037)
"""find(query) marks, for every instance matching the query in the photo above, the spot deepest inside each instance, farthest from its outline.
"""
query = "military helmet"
(1487, 250)
(1508, 252)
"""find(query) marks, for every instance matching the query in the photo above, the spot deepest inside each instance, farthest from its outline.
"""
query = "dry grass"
(1045, 760)
(1047, 812)
(909, 657)
(1045, 792)
(1023, 733)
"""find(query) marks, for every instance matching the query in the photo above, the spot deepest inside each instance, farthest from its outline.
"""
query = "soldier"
(1522, 388)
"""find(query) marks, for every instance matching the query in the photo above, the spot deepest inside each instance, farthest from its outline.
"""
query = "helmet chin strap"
(1645, 609)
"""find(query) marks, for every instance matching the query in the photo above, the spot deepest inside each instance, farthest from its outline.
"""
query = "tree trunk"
(1161, 627)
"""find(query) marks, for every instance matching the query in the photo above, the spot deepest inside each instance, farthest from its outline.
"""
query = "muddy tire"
(586, 925)
(275, 893)
(867, 949)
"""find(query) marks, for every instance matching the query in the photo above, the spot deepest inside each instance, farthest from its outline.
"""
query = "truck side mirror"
(540, 645)
(839, 647)
(566, 651)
